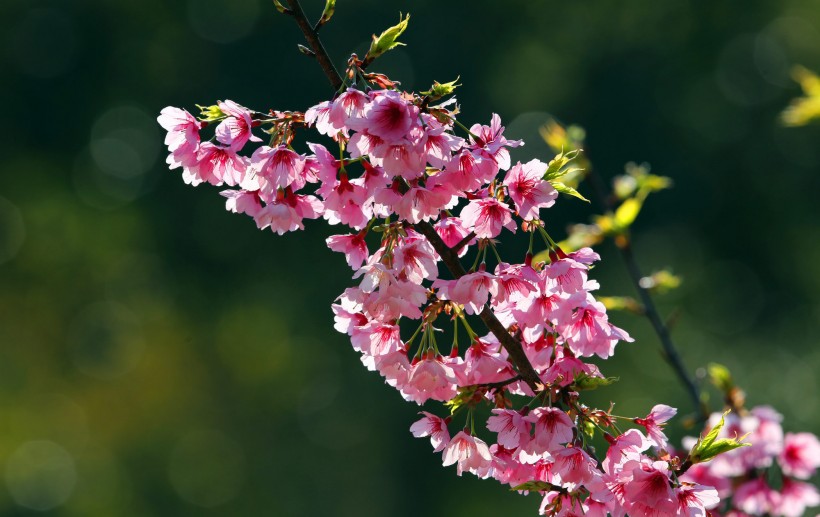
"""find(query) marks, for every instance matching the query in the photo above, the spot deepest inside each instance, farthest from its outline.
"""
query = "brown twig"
(670, 351)
(448, 255)
(315, 43)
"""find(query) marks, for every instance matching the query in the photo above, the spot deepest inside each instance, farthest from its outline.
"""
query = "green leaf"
(210, 113)
(439, 90)
(306, 51)
(536, 486)
(720, 377)
(464, 397)
(564, 189)
(661, 281)
(557, 167)
(626, 213)
(621, 303)
(387, 40)
(586, 382)
(279, 7)
(707, 447)
(327, 13)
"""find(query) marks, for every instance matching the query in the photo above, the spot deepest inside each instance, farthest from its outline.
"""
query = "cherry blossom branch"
(447, 254)
(312, 37)
(670, 351)
(510, 344)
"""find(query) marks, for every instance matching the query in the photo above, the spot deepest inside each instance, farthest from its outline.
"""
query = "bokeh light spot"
(207, 468)
(40, 475)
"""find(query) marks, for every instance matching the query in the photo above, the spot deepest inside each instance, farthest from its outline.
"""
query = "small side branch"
(448, 255)
(315, 44)
(670, 351)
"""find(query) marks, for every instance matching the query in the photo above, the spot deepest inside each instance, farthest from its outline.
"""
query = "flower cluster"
(417, 196)
(767, 477)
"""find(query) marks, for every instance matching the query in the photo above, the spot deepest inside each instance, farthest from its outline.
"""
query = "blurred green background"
(159, 356)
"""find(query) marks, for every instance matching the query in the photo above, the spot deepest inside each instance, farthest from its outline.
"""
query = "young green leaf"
(564, 189)
(387, 40)
(557, 167)
(626, 214)
(709, 446)
(586, 382)
(439, 90)
(210, 113)
(536, 486)
(327, 13)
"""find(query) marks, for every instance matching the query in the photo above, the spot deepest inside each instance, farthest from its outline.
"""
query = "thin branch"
(510, 344)
(448, 255)
(670, 351)
(315, 44)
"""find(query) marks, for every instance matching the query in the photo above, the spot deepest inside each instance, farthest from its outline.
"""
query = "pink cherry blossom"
(352, 245)
(589, 332)
(512, 428)
(452, 232)
(694, 500)
(349, 104)
(388, 117)
(755, 497)
(553, 428)
(242, 202)
(795, 497)
(182, 138)
(430, 378)
(471, 453)
(486, 217)
(422, 204)
(483, 364)
(217, 165)
(466, 172)
(800, 456)
(279, 166)
(492, 143)
(433, 426)
(319, 116)
(649, 488)
(654, 423)
(416, 258)
(471, 290)
(235, 129)
(527, 188)
(286, 213)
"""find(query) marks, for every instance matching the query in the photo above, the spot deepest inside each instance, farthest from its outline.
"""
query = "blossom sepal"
(708, 446)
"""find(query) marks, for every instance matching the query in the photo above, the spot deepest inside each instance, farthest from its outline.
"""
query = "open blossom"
(471, 453)
(590, 333)
(430, 378)
(654, 423)
(352, 245)
(388, 116)
(800, 456)
(242, 202)
(492, 142)
(527, 188)
(553, 428)
(486, 217)
(512, 428)
(235, 129)
(399, 166)
(217, 165)
(182, 138)
(280, 166)
(434, 427)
